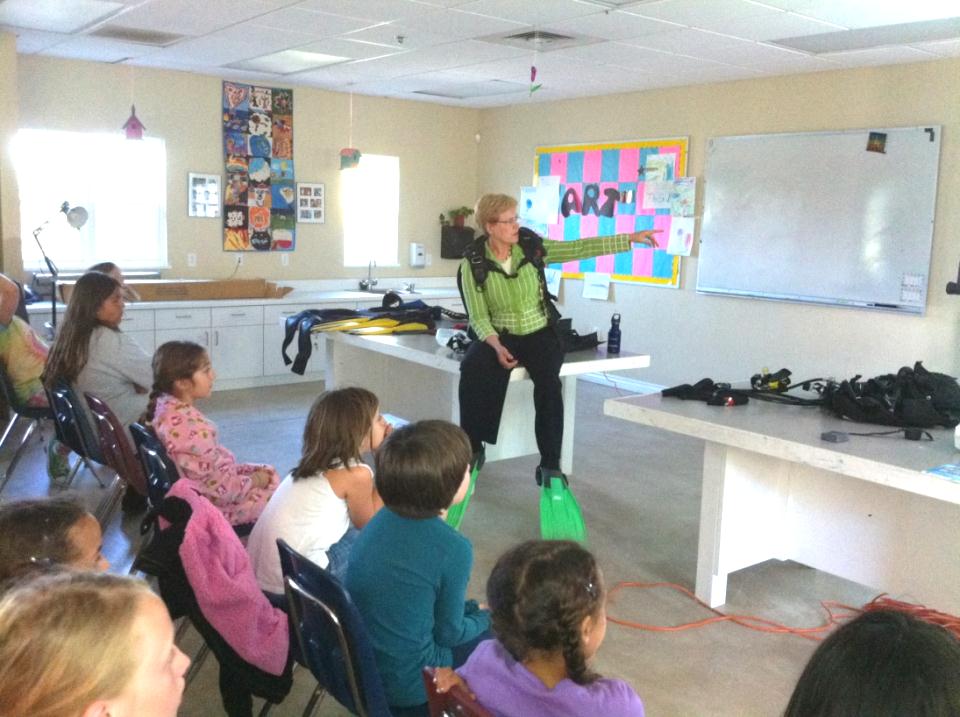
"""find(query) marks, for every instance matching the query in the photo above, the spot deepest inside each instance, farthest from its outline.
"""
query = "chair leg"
(265, 710)
(73, 474)
(110, 502)
(197, 663)
(89, 465)
(16, 455)
(315, 699)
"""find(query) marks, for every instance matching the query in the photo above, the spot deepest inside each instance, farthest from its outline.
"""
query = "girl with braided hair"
(182, 373)
(547, 604)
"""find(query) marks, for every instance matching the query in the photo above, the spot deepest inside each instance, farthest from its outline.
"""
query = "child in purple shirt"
(547, 604)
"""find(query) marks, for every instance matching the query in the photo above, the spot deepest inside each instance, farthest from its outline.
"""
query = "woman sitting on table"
(509, 315)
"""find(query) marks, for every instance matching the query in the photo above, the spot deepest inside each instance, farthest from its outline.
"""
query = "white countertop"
(297, 296)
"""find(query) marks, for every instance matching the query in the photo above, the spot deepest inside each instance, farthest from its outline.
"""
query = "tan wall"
(436, 146)
(691, 336)
(9, 199)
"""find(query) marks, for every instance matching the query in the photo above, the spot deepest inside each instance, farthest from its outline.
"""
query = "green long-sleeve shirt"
(514, 304)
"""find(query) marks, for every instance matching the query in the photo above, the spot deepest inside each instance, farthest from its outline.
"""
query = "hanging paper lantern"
(133, 126)
(349, 158)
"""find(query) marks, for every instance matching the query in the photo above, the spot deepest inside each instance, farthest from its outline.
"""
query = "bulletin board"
(602, 192)
(260, 190)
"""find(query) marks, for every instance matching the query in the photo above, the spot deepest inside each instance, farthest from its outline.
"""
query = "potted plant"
(458, 216)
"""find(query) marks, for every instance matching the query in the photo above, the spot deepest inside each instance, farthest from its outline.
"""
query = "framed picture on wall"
(310, 203)
(203, 195)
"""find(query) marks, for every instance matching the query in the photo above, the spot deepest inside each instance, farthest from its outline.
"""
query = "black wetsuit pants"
(483, 388)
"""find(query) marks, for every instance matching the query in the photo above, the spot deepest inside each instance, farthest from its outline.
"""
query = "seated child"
(182, 374)
(330, 495)
(547, 600)
(88, 644)
(885, 663)
(24, 356)
(36, 535)
(112, 270)
(409, 570)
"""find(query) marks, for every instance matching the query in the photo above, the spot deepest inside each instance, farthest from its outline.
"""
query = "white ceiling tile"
(771, 27)
(687, 41)
(314, 23)
(705, 14)
(943, 48)
(414, 35)
(96, 49)
(879, 56)
(458, 25)
(615, 25)
(630, 56)
(55, 15)
(351, 48)
(371, 10)
(30, 41)
(189, 17)
(531, 12)
(870, 13)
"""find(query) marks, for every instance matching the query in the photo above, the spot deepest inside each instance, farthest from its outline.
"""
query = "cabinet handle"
(206, 338)
(240, 315)
(216, 338)
(183, 316)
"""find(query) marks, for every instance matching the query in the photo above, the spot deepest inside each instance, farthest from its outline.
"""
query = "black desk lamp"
(76, 217)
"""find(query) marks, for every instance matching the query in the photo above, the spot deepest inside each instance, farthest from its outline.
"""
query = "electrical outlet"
(284, 259)
(429, 258)
(240, 258)
(191, 259)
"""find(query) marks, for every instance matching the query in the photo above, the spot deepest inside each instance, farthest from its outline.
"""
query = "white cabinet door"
(273, 364)
(237, 351)
(198, 336)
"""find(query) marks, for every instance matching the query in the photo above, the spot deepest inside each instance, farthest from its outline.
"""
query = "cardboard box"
(198, 289)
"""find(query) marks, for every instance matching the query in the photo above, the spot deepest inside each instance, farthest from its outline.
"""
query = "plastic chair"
(18, 410)
(117, 451)
(73, 429)
(331, 635)
(159, 471)
(454, 703)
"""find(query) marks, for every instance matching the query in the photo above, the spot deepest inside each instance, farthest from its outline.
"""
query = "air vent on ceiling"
(140, 37)
(539, 40)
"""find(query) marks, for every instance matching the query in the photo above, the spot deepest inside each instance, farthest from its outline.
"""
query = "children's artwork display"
(259, 196)
(618, 188)
(310, 203)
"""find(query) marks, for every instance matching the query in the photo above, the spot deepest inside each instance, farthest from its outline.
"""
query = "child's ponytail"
(539, 593)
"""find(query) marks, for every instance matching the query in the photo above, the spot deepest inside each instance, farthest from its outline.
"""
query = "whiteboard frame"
(901, 308)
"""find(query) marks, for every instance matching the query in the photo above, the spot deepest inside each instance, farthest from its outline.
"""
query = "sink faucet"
(369, 282)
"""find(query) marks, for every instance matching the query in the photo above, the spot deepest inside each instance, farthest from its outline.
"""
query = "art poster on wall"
(617, 188)
(259, 198)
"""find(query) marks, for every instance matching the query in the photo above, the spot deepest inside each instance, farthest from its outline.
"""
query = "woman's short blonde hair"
(67, 641)
(490, 207)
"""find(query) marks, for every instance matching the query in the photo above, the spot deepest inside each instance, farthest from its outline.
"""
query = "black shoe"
(133, 502)
(545, 475)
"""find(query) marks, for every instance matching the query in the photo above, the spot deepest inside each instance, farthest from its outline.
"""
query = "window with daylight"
(121, 183)
(370, 200)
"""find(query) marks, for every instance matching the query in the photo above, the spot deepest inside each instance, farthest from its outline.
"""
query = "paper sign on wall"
(681, 236)
(596, 286)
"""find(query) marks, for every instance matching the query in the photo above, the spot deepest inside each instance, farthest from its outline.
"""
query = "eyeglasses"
(512, 220)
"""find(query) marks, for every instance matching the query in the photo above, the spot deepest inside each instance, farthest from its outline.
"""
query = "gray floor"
(639, 489)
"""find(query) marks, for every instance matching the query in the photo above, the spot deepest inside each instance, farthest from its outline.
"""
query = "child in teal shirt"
(409, 570)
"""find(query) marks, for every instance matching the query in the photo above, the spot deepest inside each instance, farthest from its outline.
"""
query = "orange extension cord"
(837, 613)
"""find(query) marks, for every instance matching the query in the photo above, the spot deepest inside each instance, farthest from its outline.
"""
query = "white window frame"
(121, 183)
(370, 205)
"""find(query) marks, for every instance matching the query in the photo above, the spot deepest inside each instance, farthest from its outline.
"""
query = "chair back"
(333, 639)
(159, 471)
(13, 401)
(115, 447)
(455, 702)
(72, 426)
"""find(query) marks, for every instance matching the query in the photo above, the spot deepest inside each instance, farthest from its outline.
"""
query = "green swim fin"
(560, 516)
(457, 511)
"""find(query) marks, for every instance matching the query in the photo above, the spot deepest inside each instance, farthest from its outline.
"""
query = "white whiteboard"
(815, 217)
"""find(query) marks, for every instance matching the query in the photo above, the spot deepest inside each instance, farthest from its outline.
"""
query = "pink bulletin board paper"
(614, 171)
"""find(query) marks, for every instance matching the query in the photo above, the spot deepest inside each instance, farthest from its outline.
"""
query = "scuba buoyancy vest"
(531, 244)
